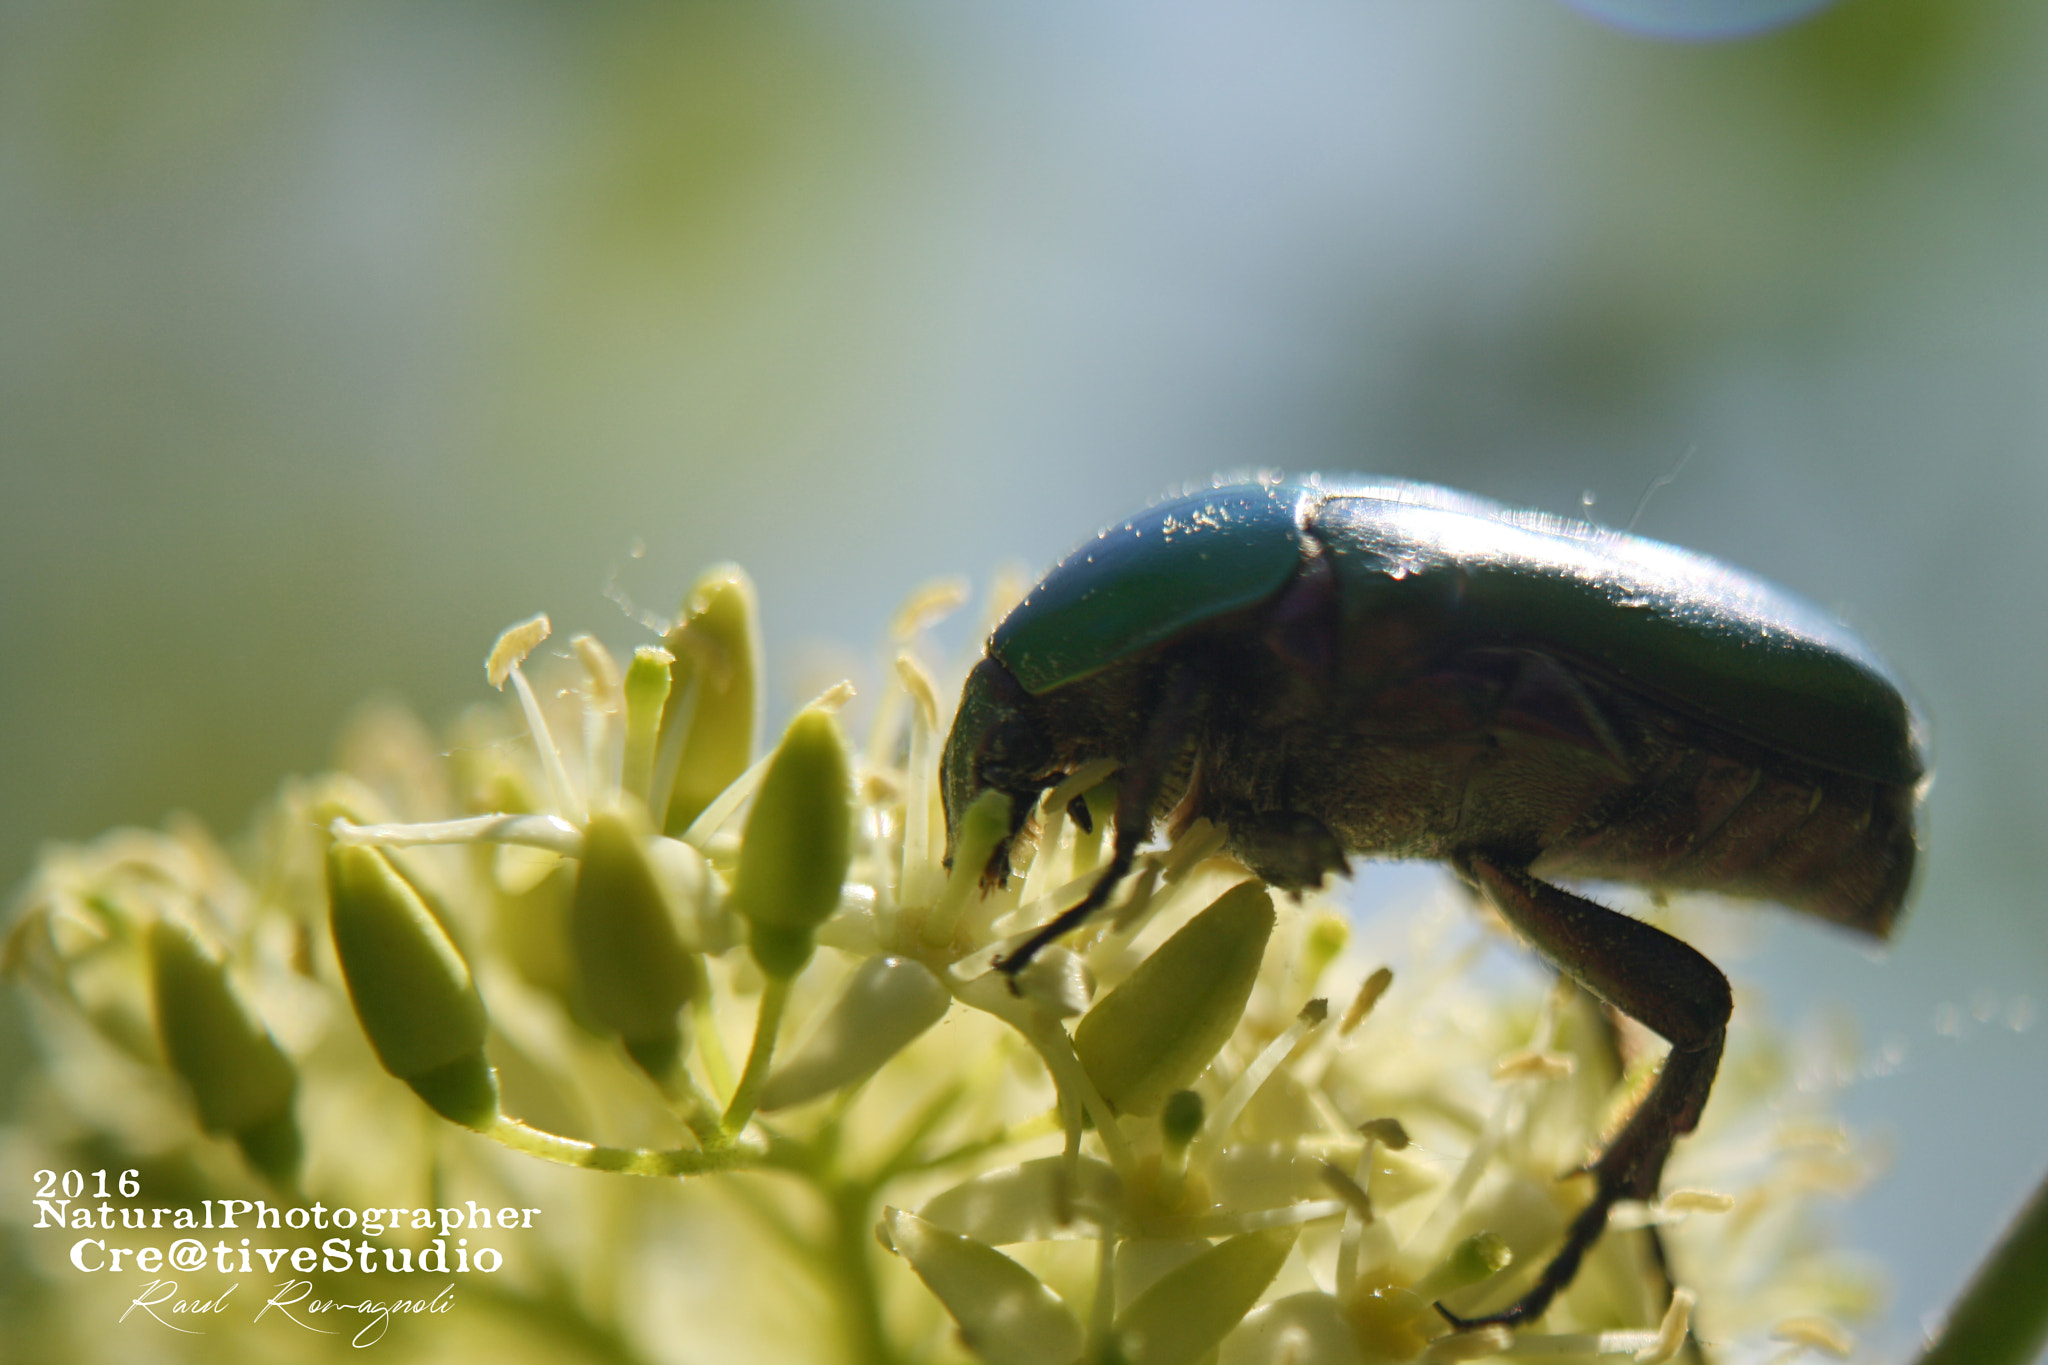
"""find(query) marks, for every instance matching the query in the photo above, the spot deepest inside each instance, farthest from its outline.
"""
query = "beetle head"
(999, 743)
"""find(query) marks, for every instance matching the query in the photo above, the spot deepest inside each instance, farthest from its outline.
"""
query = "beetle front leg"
(1138, 791)
(1653, 978)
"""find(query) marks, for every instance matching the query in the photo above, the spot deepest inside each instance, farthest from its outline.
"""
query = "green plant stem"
(717, 1068)
(697, 1110)
(2002, 1318)
(767, 1023)
(844, 1258)
(909, 1163)
(903, 1150)
(1102, 1312)
(629, 1160)
(853, 1238)
(1057, 1049)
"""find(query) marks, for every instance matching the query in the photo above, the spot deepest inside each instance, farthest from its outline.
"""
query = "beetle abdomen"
(1543, 762)
(1649, 715)
(1718, 814)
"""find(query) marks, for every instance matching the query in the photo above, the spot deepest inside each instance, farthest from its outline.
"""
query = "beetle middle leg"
(1653, 978)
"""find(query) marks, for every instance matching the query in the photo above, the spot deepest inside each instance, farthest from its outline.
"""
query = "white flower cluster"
(1214, 1125)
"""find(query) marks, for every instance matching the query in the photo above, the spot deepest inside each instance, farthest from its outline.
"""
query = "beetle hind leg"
(1653, 978)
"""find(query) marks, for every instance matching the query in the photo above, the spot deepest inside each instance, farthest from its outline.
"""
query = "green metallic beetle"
(1325, 667)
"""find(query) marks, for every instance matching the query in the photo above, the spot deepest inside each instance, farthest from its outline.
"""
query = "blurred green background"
(333, 337)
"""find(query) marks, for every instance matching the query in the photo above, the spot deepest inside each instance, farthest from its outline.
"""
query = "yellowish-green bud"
(985, 824)
(1156, 1032)
(633, 973)
(715, 690)
(1479, 1257)
(1473, 1261)
(1005, 1316)
(241, 1081)
(646, 689)
(797, 845)
(1325, 939)
(1181, 1118)
(532, 916)
(1187, 1312)
(411, 988)
(1386, 1317)
(99, 960)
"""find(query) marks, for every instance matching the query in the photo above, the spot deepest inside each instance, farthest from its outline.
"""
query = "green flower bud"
(1181, 1118)
(797, 845)
(985, 824)
(1479, 1257)
(648, 679)
(88, 947)
(531, 917)
(633, 973)
(412, 990)
(717, 649)
(1325, 939)
(241, 1081)
(1158, 1030)
(1188, 1311)
(886, 1005)
(1006, 1316)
